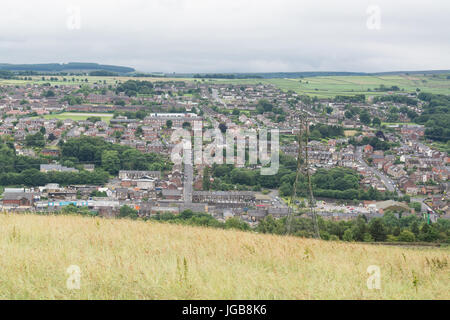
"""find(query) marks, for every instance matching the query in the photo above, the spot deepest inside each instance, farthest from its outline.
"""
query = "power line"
(294, 187)
(303, 165)
(311, 200)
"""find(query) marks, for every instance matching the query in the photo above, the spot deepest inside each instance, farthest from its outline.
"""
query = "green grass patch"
(78, 116)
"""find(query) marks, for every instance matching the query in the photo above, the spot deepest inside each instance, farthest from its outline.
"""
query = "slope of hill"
(304, 74)
(122, 259)
(64, 67)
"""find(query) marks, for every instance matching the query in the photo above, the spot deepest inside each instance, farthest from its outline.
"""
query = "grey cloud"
(229, 36)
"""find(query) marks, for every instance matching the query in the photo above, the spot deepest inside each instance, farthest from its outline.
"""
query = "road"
(210, 114)
(215, 96)
(424, 207)
(188, 178)
(388, 182)
(277, 202)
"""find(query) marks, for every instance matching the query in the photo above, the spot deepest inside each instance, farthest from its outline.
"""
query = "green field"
(322, 87)
(80, 80)
(327, 87)
(78, 116)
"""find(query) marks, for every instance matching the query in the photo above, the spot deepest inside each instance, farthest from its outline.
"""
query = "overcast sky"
(230, 35)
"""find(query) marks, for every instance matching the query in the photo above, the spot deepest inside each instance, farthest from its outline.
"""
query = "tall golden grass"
(121, 259)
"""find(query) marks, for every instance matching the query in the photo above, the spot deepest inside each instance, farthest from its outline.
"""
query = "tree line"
(336, 183)
(108, 159)
(134, 87)
(389, 228)
(111, 157)
(392, 227)
(323, 131)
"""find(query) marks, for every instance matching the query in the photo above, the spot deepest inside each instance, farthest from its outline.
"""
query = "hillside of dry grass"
(121, 259)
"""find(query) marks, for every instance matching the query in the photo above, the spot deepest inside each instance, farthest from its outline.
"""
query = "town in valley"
(83, 143)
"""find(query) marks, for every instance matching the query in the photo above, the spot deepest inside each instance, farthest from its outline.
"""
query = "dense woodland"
(323, 131)
(108, 159)
(337, 183)
(111, 157)
(435, 116)
(391, 228)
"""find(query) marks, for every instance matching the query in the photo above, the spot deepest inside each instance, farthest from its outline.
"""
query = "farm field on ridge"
(321, 86)
(80, 80)
(330, 86)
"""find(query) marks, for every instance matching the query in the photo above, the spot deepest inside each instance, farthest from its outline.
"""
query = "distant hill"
(65, 67)
(265, 75)
(294, 75)
(96, 69)
(422, 72)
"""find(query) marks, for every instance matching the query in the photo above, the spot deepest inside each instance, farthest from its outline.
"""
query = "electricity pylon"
(303, 168)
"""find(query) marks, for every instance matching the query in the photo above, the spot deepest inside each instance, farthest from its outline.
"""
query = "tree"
(281, 118)
(417, 206)
(428, 233)
(35, 140)
(406, 236)
(169, 124)
(315, 135)
(348, 235)
(48, 94)
(186, 214)
(7, 158)
(51, 137)
(406, 198)
(376, 122)
(415, 228)
(206, 179)
(364, 117)
(223, 127)
(236, 223)
(269, 225)
(391, 221)
(377, 229)
(111, 161)
(94, 119)
(128, 212)
(133, 159)
(367, 237)
(348, 114)
(33, 177)
(138, 131)
(264, 105)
